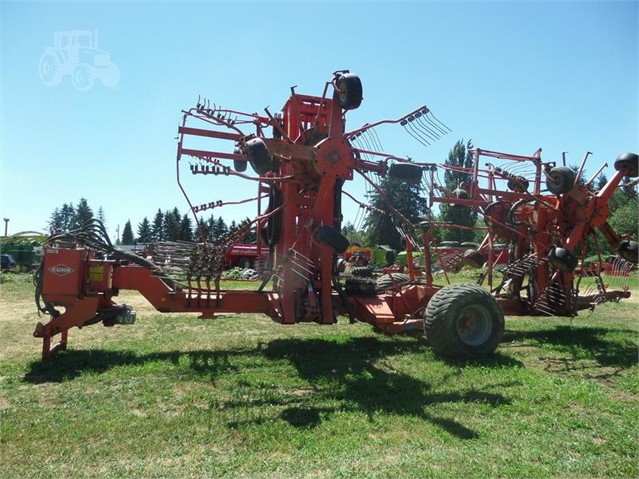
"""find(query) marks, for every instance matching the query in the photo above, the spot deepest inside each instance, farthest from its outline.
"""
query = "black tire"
(360, 287)
(560, 180)
(463, 321)
(391, 280)
(350, 91)
(331, 237)
(469, 245)
(239, 165)
(362, 272)
(518, 185)
(474, 258)
(406, 172)
(629, 164)
(628, 251)
(258, 156)
(562, 259)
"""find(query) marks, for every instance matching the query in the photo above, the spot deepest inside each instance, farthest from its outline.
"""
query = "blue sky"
(511, 76)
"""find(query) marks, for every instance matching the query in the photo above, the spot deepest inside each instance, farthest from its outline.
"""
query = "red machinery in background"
(301, 160)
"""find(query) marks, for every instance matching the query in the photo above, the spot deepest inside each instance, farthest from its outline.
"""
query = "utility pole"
(6, 226)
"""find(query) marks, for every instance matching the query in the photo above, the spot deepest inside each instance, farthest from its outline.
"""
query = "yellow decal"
(96, 272)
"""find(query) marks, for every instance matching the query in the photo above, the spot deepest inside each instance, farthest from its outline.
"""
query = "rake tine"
(442, 124)
(434, 135)
(366, 143)
(434, 126)
(422, 134)
(375, 140)
(423, 123)
(416, 137)
(411, 128)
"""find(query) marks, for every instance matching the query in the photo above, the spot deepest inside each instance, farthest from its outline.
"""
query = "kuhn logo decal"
(61, 269)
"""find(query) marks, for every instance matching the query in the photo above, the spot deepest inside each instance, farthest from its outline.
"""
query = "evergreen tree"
(220, 228)
(205, 229)
(101, 217)
(186, 228)
(127, 234)
(171, 225)
(144, 231)
(381, 224)
(209, 229)
(157, 229)
(83, 213)
(62, 219)
(460, 156)
(601, 181)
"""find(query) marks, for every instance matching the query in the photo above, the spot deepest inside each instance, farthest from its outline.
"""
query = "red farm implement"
(300, 161)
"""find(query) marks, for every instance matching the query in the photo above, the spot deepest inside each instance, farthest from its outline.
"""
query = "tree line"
(169, 225)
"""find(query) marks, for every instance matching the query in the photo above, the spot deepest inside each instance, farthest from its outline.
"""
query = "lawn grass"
(240, 396)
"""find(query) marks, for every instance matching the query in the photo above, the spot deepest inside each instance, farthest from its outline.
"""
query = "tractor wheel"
(562, 259)
(49, 69)
(259, 156)
(463, 320)
(362, 272)
(349, 87)
(628, 250)
(474, 258)
(82, 78)
(560, 180)
(239, 165)
(360, 286)
(406, 172)
(389, 281)
(331, 237)
(629, 164)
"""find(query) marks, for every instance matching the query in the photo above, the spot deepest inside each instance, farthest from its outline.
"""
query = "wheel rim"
(341, 87)
(474, 325)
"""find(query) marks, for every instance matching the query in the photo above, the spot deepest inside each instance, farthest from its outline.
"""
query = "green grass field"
(173, 396)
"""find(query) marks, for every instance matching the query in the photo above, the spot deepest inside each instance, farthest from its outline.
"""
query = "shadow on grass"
(347, 372)
(67, 365)
(584, 343)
